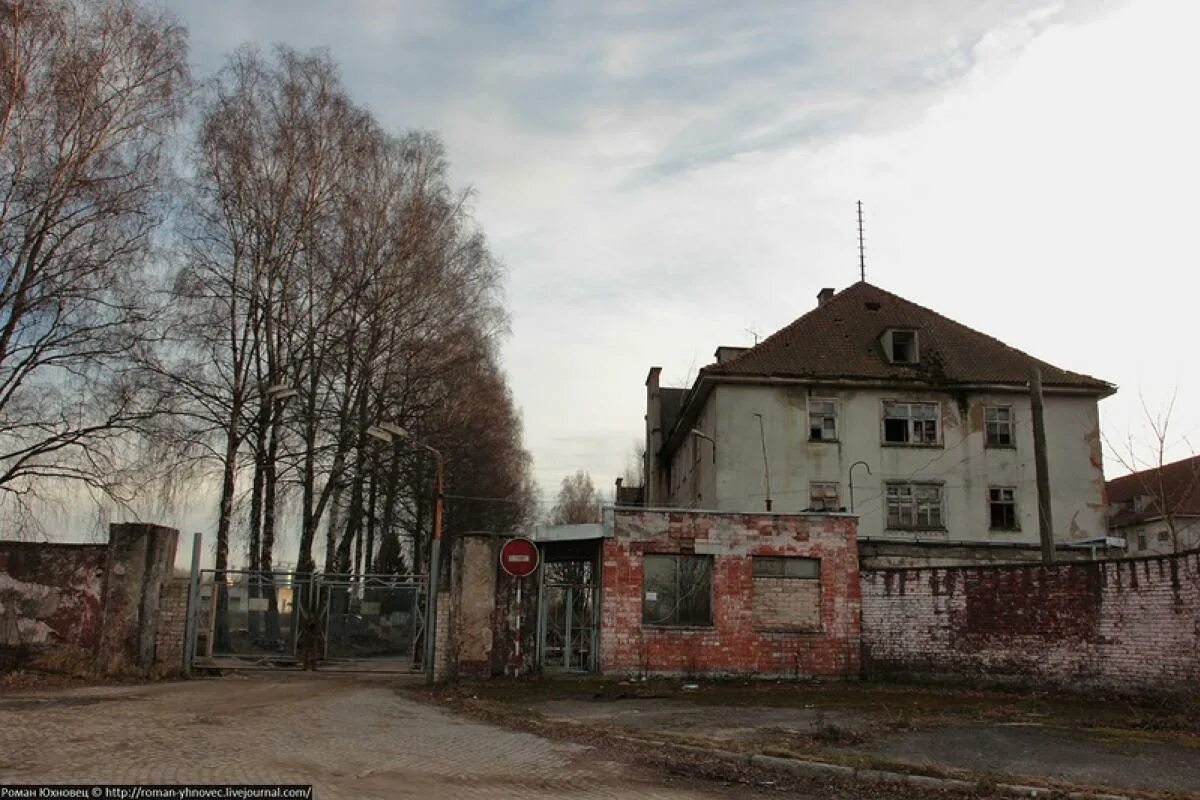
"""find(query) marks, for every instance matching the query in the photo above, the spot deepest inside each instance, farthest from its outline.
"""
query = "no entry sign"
(519, 557)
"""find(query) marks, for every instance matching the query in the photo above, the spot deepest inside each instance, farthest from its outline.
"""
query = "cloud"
(659, 178)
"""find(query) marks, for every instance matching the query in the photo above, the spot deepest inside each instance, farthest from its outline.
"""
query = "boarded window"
(910, 423)
(998, 421)
(677, 590)
(1002, 508)
(787, 593)
(822, 420)
(823, 496)
(914, 505)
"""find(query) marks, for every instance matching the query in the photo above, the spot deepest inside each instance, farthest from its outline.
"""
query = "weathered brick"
(1131, 624)
(822, 638)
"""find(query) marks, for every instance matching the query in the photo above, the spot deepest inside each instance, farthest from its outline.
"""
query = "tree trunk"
(228, 486)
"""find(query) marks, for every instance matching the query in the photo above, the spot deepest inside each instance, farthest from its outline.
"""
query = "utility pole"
(1045, 520)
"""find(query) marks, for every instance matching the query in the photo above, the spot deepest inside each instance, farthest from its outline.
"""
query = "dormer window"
(903, 347)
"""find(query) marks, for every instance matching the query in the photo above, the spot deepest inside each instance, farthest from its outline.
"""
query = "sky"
(663, 178)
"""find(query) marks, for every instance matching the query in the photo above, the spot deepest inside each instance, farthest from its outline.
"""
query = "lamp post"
(852, 466)
(385, 431)
(762, 435)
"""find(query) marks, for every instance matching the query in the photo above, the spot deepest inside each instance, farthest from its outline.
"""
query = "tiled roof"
(1180, 486)
(841, 339)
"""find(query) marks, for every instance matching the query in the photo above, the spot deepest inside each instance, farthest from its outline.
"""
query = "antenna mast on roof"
(862, 261)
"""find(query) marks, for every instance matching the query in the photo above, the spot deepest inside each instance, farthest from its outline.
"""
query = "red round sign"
(519, 557)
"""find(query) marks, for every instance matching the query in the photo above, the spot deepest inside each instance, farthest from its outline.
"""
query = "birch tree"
(90, 93)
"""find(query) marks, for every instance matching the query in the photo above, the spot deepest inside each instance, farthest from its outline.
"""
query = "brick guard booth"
(681, 592)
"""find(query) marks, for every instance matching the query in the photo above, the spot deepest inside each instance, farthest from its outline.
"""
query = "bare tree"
(577, 501)
(1166, 488)
(89, 95)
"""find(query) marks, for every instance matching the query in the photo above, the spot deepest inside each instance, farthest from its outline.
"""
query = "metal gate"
(568, 634)
(243, 618)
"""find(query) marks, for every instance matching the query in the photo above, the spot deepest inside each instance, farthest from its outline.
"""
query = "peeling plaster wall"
(1127, 624)
(50, 593)
(737, 480)
(733, 643)
(117, 604)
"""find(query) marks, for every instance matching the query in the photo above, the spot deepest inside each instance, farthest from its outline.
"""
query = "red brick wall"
(1131, 624)
(732, 644)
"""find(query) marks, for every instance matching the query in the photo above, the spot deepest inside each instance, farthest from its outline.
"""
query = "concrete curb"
(821, 769)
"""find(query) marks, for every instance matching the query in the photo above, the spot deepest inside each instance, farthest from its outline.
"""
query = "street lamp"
(385, 431)
(762, 435)
(852, 466)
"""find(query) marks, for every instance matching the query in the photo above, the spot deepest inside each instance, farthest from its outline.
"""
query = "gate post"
(189, 628)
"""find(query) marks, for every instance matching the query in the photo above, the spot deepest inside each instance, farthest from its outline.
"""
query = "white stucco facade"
(729, 473)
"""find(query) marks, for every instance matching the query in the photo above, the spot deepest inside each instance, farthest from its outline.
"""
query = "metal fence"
(248, 618)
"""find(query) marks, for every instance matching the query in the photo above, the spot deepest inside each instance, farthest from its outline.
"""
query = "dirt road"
(349, 736)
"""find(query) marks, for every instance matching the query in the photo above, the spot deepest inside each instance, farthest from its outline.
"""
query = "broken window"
(998, 423)
(823, 496)
(677, 590)
(822, 420)
(914, 505)
(910, 423)
(904, 347)
(1002, 504)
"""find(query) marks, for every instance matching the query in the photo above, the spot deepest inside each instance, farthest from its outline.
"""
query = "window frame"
(914, 504)
(837, 412)
(992, 502)
(837, 495)
(1011, 422)
(674, 623)
(915, 345)
(910, 423)
(783, 562)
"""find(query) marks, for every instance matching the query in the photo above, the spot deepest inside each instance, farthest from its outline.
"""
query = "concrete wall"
(736, 482)
(1127, 624)
(50, 593)
(113, 607)
(734, 643)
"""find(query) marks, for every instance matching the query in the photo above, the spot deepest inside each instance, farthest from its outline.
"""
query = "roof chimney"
(824, 296)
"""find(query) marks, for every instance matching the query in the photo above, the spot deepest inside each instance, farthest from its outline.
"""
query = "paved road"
(349, 736)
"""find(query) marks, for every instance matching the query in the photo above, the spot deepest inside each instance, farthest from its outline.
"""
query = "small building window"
(1002, 506)
(914, 506)
(786, 593)
(822, 420)
(904, 347)
(787, 567)
(823, 496)
(998, 423)
(677, 590)
(910, 423)
(1164, 536)
(1141, 540)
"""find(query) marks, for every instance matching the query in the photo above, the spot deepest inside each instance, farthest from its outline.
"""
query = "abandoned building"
(1157, 510)
(870, 403)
